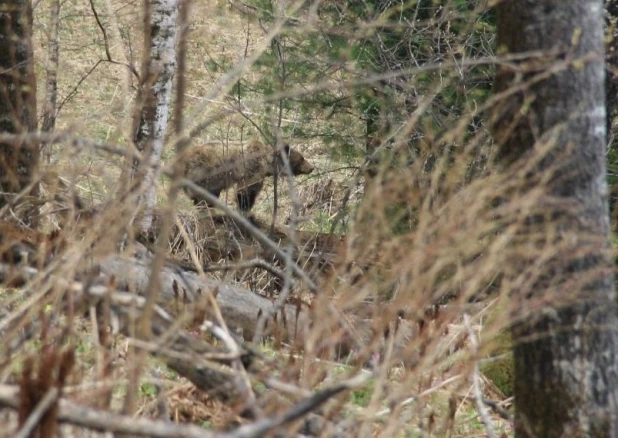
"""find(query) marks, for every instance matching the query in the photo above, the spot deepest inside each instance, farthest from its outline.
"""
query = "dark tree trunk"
(51, 85)
(18, 159)
(566, 337)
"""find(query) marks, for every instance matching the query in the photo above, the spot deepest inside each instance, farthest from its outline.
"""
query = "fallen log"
(72, 413)
(239, 307)
(208, 367)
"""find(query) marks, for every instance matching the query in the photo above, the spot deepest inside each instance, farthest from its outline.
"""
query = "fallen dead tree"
(210, 368)
(239, 307)
(229, 370)
(243, 311)
(69, 412)
(72, 413)
(206, 366)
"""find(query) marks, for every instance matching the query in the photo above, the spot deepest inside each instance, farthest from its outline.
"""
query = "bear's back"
(216, 167)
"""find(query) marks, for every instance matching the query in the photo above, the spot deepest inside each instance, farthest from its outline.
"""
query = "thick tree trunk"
(156, 96)
(18, 159)
(565, 344)
(611, 58)
(611, 96)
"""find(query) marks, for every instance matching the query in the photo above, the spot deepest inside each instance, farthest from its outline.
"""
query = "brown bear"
(215, 169)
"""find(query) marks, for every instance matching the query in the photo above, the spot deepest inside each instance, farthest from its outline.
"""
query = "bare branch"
(77, 415)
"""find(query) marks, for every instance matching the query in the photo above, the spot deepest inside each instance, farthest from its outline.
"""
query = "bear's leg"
(197, 199)
(247, 195)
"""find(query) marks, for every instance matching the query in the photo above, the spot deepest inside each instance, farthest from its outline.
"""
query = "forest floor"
(433, 401)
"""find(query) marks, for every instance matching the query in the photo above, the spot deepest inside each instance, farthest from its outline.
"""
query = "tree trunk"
(18, 159)
(611, 96)
(565, 344)
(51, 86)
(611, 58)
(155, 96)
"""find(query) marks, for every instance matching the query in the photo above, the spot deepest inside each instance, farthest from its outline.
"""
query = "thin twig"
(106, 42)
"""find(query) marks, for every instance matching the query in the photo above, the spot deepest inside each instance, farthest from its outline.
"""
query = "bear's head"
(298, 163)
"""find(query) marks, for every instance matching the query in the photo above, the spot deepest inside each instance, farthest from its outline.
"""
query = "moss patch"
(500, 368)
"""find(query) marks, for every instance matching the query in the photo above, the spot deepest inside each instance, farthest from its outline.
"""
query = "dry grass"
(431, 238)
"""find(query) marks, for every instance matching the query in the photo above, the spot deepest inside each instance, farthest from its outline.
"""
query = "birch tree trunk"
(565, 335)
(155, 96)
(18, 159)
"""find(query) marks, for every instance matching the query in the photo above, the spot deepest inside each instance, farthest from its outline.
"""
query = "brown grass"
(431, 238)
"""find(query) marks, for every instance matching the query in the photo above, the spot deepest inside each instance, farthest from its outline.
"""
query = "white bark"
(160, 66)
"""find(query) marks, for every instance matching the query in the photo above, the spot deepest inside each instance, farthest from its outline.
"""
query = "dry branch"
(206, 366)
(75, 414)
(240, 308)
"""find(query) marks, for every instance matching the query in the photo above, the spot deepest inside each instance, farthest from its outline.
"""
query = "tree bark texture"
(156, 95)
(53, 54)
(565, 345)
(18, 159)
(611, 58)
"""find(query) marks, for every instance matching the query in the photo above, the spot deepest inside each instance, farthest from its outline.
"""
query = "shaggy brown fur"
(215, 169)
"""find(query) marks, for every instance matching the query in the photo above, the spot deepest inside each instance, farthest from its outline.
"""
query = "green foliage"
(211, 65)
(345, 151)
(401, 218)
(501, 372)
(207, 424)
(362, 397)
(148, 390)
(356, 41)
(322, 223)
(260, 388)
(81, 348)
(296, 59)
(500, 369)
